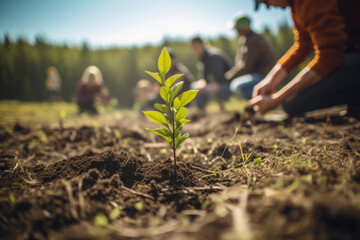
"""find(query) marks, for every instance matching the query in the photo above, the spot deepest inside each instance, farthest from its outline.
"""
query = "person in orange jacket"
(330, 28)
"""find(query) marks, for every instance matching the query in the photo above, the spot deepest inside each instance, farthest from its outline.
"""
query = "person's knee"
(243, 86)
(242, 90)
(292, 108)
(287, 108)
(224, 93)
(201, 100)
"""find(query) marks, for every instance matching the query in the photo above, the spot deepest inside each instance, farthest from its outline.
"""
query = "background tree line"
(23, 65)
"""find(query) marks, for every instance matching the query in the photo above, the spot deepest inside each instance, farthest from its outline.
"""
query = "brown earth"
(301, 180)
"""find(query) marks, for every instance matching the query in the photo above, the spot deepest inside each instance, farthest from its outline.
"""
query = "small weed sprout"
(117, 133)
(202, 202)
(138, 206)
(114, 214)
(172, 114)
(101, 220)
(257, 161)
(12, 199)
(42, 136)
(62, 117)
(245, 158)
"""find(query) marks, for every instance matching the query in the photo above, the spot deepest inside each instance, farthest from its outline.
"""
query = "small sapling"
(172, 114)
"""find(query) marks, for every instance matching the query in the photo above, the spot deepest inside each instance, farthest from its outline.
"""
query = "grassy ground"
(37, 114)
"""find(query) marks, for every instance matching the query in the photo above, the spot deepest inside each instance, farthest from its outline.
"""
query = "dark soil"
(301, 181)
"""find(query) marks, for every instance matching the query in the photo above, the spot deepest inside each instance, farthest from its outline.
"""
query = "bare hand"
(228, 75)
(269, 83)
(262, 88)
(263, 103)
(215, 88)
(201, 85)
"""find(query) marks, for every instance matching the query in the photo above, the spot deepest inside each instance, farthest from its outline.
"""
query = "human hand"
(269, 83)
(262, 88)
(201, 85)
(215, 88)
(263, 103)
(228, 75)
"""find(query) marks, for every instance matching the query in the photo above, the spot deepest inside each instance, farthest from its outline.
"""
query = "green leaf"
(181, 113)
(181, 140)
(180, 123)
(156, 76)
(170, 81)
(166, 94)
(156, 117)
(177, 138)
(177, 103)
(177, 131)
(257, 161)
(165, 133)
(187, 96)
(162, 107)
(164, 62)
(160, 131)
(177, 87)
(183, 121)
(12, 198)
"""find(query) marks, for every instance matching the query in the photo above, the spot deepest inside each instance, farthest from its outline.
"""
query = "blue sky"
(127, 22)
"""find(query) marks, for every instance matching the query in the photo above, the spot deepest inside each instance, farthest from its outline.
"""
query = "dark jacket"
(215, 64)
(179, 68)
(254, 55)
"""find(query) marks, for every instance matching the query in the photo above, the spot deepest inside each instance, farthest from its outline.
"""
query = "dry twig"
(138, 193)
(72, 202)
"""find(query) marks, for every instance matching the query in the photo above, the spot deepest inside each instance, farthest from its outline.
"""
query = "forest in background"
(23, 65)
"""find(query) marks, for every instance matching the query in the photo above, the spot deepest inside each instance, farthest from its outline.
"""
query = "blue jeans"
(243, 86)
(203, 97)
(342, 86)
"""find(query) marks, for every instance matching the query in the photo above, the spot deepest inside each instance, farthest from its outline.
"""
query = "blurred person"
(53, 84)
(254, 58)
(90, 89)
(146, 94)
(178, 67)
(331, 28)
(213, 65)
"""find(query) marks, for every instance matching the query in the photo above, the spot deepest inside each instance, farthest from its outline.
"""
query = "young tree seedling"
(172, 114)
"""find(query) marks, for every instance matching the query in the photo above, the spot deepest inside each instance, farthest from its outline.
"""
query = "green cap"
(241, 21)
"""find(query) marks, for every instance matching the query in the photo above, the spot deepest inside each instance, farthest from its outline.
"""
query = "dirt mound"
(107, 163)
(130, 169)
(163, 173)
(82, 186)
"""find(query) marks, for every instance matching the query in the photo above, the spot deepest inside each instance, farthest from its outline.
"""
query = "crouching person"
(332, 29)
(90, 89)
(213, 65)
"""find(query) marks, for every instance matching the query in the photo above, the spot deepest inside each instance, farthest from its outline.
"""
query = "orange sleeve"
(298, 52)
(327, 32)
(323, 23)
